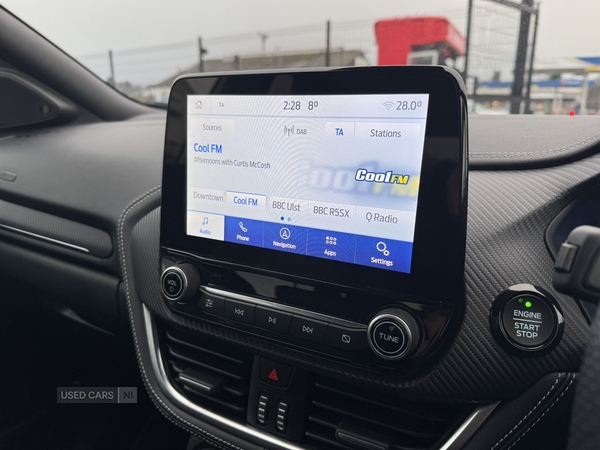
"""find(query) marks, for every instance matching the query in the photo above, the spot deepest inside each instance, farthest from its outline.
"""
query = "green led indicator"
(521, 300)
(528, 304)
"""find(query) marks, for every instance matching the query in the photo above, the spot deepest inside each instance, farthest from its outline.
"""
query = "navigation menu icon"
(285, 233)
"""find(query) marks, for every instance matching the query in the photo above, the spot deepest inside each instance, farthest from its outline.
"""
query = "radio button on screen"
(239, 311)
(308, 329)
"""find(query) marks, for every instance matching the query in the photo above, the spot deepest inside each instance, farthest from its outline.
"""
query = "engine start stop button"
(528, 321)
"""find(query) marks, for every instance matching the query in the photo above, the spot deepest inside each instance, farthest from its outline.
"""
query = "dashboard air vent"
(341, 416)
(210, 373)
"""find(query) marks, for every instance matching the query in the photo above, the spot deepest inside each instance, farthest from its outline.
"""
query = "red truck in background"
(417, 40)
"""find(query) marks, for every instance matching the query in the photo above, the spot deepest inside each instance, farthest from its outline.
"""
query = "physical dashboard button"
(528, 321)
(272, 320)
(308, 329)
(180, 283)
(389, 337)
(274, 373)
(526, 318)
(212, 304)
(172, 284)
(239, 311)
(346, 338)
(393, 334)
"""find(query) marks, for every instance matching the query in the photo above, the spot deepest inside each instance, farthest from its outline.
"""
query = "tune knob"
(393, 334)
(180, 283)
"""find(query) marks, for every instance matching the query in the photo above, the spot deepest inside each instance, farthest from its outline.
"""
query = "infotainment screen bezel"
(440, 232)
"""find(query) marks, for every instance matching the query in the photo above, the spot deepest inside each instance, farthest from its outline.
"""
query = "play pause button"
(272, 320)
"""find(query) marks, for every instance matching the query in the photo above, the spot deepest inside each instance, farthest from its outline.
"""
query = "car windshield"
(516, 56)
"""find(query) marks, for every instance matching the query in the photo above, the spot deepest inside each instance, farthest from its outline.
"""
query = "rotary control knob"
(180, 283)
(393, 334)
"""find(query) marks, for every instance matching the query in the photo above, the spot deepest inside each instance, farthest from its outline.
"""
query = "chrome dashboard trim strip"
(466, 431)
(458, 439)
(201, 413)
(44, 238)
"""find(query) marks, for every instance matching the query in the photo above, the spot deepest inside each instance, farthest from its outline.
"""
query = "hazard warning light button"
(274, 373)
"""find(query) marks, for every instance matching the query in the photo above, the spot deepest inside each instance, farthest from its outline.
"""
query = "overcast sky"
(83, 27)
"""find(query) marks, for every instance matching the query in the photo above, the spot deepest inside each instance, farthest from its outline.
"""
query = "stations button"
(528, 321)
(272, 320)
(274, 373)
(308, 329)
(346, 338)
(212, 304)
(239, 311)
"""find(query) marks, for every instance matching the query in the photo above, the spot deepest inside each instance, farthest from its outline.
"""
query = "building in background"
(159, 93)
(561, 86)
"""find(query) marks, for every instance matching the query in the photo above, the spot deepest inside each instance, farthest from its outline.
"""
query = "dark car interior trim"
(551, 141)
(50, 228)
(94, 184)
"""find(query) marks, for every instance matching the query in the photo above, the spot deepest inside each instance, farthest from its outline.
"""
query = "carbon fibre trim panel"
(509, 212)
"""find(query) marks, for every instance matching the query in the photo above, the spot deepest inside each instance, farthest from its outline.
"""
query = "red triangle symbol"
(273, 375)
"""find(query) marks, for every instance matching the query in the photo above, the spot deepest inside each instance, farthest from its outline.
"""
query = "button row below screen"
(296, 325)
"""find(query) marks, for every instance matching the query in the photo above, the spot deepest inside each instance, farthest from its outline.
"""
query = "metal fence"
(493, 44)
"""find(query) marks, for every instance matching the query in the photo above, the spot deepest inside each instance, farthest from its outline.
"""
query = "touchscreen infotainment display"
(327, 176)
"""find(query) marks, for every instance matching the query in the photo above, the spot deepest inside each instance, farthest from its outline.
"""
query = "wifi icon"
(388, 105)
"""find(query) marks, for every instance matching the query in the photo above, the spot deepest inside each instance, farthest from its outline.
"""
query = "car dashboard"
(80, 213)
(81, 218)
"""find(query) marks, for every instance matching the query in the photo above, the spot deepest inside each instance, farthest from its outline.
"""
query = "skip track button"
(308, 329)
(239, 311)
